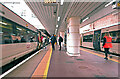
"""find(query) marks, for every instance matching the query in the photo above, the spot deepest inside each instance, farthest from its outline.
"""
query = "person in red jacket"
(107, 44)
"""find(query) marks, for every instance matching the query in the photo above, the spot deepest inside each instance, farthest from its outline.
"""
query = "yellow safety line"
(47, 66)
(99, 55)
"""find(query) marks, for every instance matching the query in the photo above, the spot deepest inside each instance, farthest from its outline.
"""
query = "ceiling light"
(62, 2)
(58, 18)
(56, 25)
(3, 23)
(110, 3)
(19, 28)
(85, 19)
(56, 29)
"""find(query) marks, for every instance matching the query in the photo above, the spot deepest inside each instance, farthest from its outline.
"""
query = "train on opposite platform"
(93, 39)
(17, 36)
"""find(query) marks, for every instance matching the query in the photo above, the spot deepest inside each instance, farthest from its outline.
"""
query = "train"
(17, 36)
(93, 39)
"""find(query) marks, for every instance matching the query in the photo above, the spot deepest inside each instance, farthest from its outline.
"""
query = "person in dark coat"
(53, 40)
(60, 40)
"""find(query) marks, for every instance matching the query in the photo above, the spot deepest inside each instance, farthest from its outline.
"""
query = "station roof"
(48, 14)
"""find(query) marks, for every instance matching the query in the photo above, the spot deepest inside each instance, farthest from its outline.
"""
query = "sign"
(28, 46)
(92, 26)
(26, 25)
(50, 3)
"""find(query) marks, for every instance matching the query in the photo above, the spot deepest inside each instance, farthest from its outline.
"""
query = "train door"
(96, 39)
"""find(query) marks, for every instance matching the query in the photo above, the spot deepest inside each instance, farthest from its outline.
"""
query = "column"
(73, 36)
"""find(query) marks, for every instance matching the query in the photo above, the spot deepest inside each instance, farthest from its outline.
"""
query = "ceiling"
(48, 14)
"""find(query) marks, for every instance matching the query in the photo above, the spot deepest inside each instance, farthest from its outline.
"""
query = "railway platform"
(28, 27)
(57, 64)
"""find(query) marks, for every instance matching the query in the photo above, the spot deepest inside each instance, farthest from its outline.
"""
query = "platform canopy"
(54, 14)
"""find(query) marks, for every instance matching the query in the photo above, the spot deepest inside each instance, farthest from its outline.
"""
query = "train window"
(11, 32)
(87, 38)
(21, 34)
(102, 36)
(30, 36)
(6, 31)
(115, 36)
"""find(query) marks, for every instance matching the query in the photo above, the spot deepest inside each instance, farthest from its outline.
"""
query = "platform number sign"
(49, 1)
(26, 25)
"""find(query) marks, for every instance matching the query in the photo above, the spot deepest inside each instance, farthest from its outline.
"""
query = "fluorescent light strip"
(3, 23)
(62, 2)
(56, 25)
(58, 18)
(19, 29)
(110, 3)
(85, 19)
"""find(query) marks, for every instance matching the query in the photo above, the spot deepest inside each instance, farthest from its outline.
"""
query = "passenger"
(60, 40)
(31, 39)
(23, 39)
(53, 40)
(41, 40)
(44, 42)
(56, 40)
(107, 44)
(48, 40)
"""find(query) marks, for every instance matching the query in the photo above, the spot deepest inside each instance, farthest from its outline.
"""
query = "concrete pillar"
(62, 35)
(73, 36)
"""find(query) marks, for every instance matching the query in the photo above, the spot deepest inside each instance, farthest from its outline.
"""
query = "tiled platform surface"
(63, 66)
(86, 65)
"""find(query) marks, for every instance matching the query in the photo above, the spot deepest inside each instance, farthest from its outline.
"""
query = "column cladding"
(73, 37)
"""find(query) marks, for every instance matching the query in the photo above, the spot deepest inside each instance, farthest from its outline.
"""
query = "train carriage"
(94, 38)
(17, 36)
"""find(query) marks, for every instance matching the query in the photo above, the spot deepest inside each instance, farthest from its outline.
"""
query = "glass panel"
(21, 34)
(87, 38)
(10, 32)
(6, 32)
(115, 36)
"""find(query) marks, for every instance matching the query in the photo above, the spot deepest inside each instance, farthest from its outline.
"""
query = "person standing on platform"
(44, 42)
(60, 40)
(53, 40)
(107, 44)
(41, 40)
(47, 40)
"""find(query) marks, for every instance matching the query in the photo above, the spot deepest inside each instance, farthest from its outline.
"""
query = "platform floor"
(89, 64)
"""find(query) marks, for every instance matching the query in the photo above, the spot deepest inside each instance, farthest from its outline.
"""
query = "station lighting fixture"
(58, 18)
(110, 3)
(85, 19)
(56, 25)
(19, 29)
(3, 23)
(62, 2)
